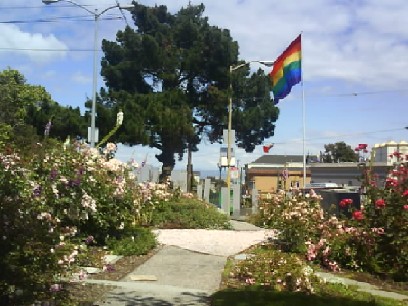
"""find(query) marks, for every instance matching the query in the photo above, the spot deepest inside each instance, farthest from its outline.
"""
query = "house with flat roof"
(269, 173)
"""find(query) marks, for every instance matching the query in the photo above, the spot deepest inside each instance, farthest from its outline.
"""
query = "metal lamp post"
(231, 69)
(95, 73)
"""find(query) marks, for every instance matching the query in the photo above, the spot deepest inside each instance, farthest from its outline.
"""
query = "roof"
(278, 159)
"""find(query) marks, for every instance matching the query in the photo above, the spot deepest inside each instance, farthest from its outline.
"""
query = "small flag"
(286, 70)
(267, 148)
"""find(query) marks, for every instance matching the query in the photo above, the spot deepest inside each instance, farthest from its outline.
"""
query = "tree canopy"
(170, 76)
(339, 152)
(26, 109)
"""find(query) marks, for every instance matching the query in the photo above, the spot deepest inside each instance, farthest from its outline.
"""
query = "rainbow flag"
(286, 70)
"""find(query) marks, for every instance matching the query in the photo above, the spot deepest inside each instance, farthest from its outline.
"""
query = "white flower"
(88, 202)
(111, 147)
(119, 118)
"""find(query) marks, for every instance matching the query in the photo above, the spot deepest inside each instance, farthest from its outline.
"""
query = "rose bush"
(385, 210)
(53, 200)
(373, 238)
(295, 217)
(30, 237)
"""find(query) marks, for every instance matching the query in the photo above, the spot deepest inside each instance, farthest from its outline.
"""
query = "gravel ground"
(214, 242)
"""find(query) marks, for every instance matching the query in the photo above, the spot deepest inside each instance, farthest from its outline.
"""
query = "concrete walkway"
(177, 276)
(362, 286)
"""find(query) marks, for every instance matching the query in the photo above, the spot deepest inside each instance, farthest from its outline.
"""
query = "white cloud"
(348, 46)
(81, 78)
(29, 44)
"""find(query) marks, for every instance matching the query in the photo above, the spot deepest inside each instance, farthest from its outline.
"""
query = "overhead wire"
(313, 140)
(34, 7)
(61, 18)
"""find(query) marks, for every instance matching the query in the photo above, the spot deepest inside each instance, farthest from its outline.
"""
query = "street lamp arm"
(233, 68)
(266, 63)
(95, 74)
(107, 9)
(96, 15)
(69, 1)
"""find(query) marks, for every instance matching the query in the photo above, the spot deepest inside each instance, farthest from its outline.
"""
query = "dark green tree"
(26, 109)
(339, 152)
(170, 76)
(65, 120)
(15, 98)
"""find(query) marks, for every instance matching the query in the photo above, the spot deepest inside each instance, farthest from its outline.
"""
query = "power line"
(33, 7)
(57, 19)
(350, 94)
(362, 93)
(46, 50)
(311, 140)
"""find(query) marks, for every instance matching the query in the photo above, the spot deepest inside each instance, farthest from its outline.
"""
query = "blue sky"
(355, 63)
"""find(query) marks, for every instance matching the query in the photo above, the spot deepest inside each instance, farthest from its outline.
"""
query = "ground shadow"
(269, 298)
(134, 298)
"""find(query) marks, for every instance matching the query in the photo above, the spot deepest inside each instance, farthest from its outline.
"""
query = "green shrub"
(50, 199)
(385, 217)
(296, 218)
(187, 213)
(30, 243)
(138, 241)
(272, 269)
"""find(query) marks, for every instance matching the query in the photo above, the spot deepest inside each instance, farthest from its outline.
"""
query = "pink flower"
(397, 154)
(405, 193)
(55, 287)
(405, 207)
(389, 182)
(343, 203)
(380, 203)
(358, 215)
(378, 231)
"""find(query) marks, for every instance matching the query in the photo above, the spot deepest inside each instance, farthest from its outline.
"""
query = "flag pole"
(303, 114)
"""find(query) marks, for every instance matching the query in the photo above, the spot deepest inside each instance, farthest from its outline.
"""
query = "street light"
(231, 69)
(95, 73)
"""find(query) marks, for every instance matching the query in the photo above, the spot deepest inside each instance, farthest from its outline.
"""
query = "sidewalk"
(364, 287)
(177, 276)
(183, 278)
(186, 277)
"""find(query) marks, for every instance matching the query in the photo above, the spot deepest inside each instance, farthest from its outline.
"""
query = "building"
(270, 173)
(350, 174)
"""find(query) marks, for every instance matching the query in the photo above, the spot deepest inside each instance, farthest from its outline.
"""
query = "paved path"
(183, 275)
(176, 276)
(362, 286)
(183, 278)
